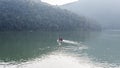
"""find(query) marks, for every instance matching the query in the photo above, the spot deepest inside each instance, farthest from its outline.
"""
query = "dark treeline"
(22, 15)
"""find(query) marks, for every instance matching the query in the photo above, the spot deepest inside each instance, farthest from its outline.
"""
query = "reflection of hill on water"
(17, 46)
(24, 46)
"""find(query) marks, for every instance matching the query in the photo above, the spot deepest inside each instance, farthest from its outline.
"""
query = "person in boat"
(60, 39)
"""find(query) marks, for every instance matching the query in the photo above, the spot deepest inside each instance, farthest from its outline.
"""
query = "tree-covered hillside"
(106, 12)
(22, 15)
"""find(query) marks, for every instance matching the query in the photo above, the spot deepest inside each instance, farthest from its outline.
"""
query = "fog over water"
(42, 48)
(79, 50)
(106, 12)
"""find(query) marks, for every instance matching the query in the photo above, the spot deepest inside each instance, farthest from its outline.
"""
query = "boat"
(60, 40)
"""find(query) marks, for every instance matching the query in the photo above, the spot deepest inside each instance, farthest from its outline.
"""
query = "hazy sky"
(58, 2)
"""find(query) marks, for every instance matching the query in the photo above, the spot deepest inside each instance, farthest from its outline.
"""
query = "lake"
(80, 49)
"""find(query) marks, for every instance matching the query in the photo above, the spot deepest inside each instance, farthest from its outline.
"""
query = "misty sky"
(58, 2)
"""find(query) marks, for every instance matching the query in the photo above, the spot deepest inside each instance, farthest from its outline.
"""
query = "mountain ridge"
(22, 15)
(103, 11)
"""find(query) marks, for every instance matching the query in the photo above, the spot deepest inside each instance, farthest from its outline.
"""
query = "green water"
(40, 49)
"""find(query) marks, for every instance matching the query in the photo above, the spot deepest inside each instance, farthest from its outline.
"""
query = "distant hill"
(106, 12)
(22, 15)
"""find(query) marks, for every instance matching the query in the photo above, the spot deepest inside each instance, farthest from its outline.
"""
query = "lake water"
(41, 50)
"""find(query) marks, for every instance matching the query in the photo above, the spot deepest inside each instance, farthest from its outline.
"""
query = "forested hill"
(25, 15)
(106, 12)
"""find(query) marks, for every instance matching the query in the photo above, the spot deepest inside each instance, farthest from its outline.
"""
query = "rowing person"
(60, 40)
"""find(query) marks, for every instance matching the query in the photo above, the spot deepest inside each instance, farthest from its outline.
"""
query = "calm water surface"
(41, 50)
